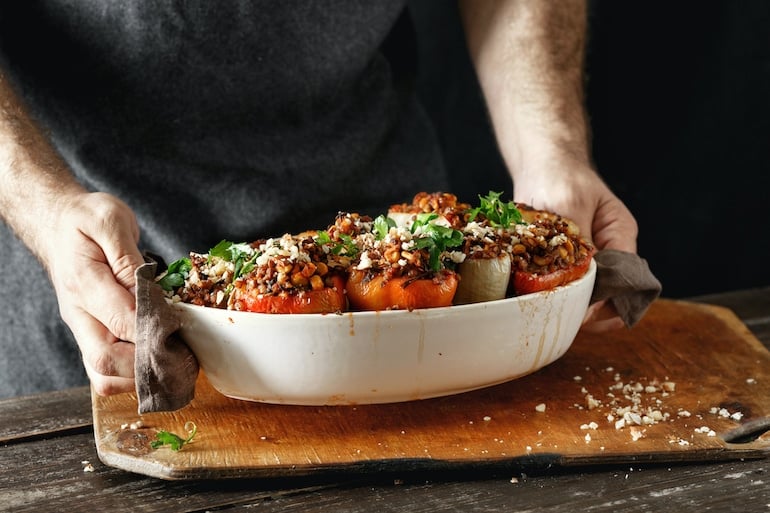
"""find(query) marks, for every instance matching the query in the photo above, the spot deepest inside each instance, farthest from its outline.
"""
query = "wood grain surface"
(36, 416)
(719, 372)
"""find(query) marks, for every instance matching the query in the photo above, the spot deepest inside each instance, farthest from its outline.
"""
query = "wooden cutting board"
(685, 384)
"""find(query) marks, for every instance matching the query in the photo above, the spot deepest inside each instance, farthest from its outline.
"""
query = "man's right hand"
(91, 255)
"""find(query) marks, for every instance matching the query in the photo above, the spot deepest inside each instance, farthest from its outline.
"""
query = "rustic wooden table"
(48, 462)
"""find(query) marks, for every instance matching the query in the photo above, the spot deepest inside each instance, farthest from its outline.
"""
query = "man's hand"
(91, 257)
(574, 190)
(582, 196)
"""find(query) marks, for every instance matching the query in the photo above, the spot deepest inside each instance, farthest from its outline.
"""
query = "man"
(168, 128)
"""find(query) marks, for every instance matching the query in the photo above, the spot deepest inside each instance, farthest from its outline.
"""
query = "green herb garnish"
(344, 246)
(241, 254)
(176, 274)
(497, 212)
(322, 238)
(232, 251)
(175, 442)
(382, 225)
(436, 238)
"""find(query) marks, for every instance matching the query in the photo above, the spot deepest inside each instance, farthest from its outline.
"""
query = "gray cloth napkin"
(166, 369)
(625, 280)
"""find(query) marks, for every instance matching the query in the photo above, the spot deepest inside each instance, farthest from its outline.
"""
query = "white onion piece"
(405, 220)
(402, 219)
(483, 279)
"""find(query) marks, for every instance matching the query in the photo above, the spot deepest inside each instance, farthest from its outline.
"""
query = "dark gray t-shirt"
(211, 120)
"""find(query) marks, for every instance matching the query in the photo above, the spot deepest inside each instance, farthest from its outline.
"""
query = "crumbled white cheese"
(365, 262)
(592, 402)
(558, 240)
(636, 434)
(458, 257)
(706, 431)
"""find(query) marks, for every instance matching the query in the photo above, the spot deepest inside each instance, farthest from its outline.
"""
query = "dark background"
(678, 95)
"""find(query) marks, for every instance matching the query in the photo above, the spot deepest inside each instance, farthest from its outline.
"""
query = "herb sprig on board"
(174, 441)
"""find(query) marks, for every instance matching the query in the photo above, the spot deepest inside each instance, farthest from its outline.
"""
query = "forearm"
(529, 57)
(35, 179)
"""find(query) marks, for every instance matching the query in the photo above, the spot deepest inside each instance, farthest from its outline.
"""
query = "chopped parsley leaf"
(344, 246)
(241, 254)
(177, 273)
(436, 238)
(175, 442)
(382, 225)
(496, 211)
